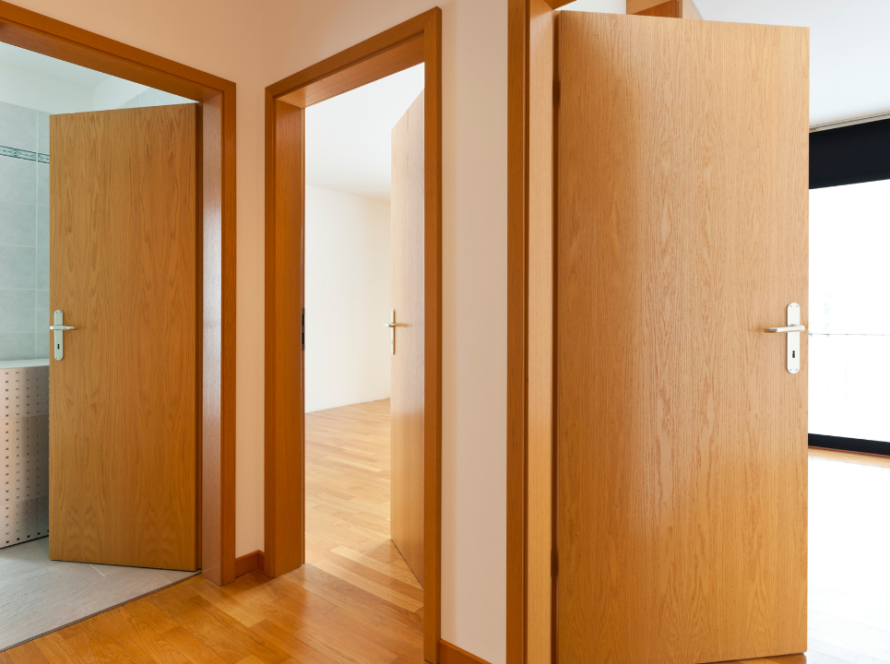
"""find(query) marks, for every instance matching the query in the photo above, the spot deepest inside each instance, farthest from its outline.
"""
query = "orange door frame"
(216, 228)
(415, 41)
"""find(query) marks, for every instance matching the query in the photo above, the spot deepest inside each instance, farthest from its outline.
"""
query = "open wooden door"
(406, 403)
(681, 434)
(124, 395)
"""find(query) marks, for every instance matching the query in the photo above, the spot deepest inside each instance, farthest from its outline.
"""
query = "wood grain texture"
(249, 563)
(285, 511)
(407, 368)
(682, 232)
(47, 36)
(428, 28)
(451, 654)
(638, 6)
(123, 406)
(669, 9)
(518, 52)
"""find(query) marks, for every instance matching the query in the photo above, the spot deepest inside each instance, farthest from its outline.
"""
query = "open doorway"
(363, 270)
(68, 229)
(401, 580)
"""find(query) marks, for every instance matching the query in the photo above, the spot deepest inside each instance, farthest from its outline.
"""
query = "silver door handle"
(390, 325)
(58, 329)
(793, 328)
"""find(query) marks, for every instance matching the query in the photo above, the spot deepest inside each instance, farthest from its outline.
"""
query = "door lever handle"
(58, 329)
(792, 328)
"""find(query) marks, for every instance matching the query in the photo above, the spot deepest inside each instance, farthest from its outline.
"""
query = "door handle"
(392, 332)
(786, 330)
(58, 329)
(793, 329)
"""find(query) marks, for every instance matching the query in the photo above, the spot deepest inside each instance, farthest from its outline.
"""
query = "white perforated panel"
(24, 442)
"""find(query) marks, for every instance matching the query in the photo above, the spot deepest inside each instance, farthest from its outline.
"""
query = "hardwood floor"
(356, 601)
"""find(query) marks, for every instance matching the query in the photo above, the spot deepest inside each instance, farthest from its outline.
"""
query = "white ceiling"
(348, 138)
(849, 49)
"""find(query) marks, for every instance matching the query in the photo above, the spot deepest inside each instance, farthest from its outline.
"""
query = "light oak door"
(406, 403)
(682, 150)
(124, 398)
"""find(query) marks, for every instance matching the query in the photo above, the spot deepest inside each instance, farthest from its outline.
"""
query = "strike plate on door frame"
(793, 330)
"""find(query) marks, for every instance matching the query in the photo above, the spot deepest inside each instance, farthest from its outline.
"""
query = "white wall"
(474, 418)
(347, 299)
(255, 44)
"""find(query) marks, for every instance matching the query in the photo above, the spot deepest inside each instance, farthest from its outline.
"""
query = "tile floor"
(38, 595)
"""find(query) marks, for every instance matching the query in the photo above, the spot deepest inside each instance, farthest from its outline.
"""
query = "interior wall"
(474, 255)
(348, 299)
(258, 45)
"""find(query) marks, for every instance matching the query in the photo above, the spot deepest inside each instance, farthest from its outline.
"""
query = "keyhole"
(793, 354)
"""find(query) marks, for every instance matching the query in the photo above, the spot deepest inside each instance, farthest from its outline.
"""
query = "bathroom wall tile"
(43, 132)
(17, 224)
(16, 346)
(42, 268)
(41, 344)
(18, 127)
(18, 267)
(42, 226)
(18, 180)
(41, 311)
(17, 310)
(43, 184)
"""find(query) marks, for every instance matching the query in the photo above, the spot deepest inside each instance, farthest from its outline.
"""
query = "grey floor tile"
(17, 224)
(38, 595)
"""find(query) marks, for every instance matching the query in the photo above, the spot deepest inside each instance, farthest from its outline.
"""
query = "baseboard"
(250, 562)
(449, 654)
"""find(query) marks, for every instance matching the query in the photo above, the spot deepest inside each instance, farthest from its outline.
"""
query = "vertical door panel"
(406, 404)
(681, 437)
(123, 401)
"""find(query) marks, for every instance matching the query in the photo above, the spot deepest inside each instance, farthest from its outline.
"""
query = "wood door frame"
(415, 41)
(216, 228)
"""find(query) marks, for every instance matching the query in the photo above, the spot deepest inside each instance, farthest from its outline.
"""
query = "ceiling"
(50, 67)
(849, 49)
(348, 138)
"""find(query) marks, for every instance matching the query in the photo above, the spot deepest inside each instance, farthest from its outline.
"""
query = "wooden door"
(406, 404)
(681, 437)
(123, 400)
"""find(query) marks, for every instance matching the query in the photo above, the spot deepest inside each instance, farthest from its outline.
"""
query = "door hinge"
(556, 92)
(554, 563)
(303, 330)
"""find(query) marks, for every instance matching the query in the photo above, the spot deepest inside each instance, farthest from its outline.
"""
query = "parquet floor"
(355, 602)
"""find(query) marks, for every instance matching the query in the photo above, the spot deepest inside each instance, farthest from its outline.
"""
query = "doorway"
(287, 446)
(115, 89)
(71, 233)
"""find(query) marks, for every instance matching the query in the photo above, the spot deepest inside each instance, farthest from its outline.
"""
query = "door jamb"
(415, 41)
(215, 225)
